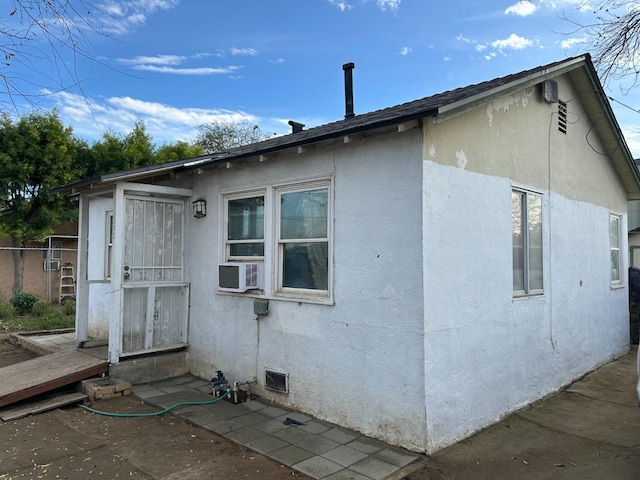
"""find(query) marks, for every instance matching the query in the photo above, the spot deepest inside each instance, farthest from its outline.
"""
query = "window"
(614, 241)
(52, 250)
(303, 239)
(527, 242)
(108, 257)
(245, 228)
(56, 252)
(288, 228)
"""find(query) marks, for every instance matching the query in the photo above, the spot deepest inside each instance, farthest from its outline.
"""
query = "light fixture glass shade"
(200, 208)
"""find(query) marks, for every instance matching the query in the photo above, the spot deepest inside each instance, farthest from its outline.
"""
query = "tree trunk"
(18, 264)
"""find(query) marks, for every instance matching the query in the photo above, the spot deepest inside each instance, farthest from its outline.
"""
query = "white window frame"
(273, 248)
(615, 249)
(280, 243)
(528, 291)
(225, 217)
(109, 235)
(56, 249)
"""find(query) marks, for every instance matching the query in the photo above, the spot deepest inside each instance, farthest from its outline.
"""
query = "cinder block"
(106, 396)
(120, 385)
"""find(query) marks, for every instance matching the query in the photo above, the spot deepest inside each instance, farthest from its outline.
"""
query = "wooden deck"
(49, 372)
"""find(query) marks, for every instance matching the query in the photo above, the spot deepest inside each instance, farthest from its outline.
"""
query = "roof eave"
(455, 108)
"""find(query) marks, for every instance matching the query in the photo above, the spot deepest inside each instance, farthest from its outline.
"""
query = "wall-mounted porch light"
(200, 208)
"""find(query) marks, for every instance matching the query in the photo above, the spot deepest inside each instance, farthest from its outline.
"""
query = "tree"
(115, 153)
(36, 31)
(218, 136)
(615, 43)
(106, 155)
(36, 154)
(169, 152)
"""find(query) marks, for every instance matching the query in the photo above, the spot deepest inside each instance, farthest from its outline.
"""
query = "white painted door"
(155, 296)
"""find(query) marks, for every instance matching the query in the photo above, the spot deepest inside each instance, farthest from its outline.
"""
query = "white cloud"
(383, 5)
(491, 50)
(120, 17)
(341, 5)
(514, 42)
(571, 42)
(165, 123)
(277, 61)
(583, 5)
(404, 51)
(243, 51)
(169, 64)
(188, 71)
(523, 8)
(157, 60)
(392, 5)
(463, 39)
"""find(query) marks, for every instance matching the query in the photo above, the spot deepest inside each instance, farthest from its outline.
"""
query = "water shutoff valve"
(219, 384)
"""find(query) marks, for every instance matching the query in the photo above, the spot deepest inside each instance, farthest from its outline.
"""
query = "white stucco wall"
(359, 362)
(422, 342)
(486, 352)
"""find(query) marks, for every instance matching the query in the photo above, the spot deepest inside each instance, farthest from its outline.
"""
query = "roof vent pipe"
(348, 89)
(296, 126)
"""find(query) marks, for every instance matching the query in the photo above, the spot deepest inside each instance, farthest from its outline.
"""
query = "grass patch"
(55, 318)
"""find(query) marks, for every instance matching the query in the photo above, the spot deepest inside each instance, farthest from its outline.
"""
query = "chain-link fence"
(49, 269)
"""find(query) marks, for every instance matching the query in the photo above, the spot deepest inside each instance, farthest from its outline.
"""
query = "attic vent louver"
(562, 117)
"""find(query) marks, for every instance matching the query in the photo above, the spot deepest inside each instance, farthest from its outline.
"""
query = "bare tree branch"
(615, 40)
(35, 33)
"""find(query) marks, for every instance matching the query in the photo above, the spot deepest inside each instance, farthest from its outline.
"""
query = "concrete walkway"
(591, 430)
(315, 448)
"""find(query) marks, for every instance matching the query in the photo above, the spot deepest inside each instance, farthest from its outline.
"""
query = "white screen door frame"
(150, 301)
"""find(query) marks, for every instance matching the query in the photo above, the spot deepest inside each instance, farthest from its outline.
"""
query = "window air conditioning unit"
(239, 276)
(52, 266)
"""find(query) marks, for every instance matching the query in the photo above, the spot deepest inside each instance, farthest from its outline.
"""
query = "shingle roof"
(435, 105)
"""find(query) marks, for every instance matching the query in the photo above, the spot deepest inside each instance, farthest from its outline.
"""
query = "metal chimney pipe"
(348, 89)
(296, 126)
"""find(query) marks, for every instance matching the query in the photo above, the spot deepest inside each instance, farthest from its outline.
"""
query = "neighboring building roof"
(441, 106)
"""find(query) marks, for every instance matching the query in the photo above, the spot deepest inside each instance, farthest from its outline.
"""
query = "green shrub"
(23, 303)
(6, 310)
(69, 307)
(41, 309)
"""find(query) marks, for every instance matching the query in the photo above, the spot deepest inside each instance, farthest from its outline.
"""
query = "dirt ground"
(71, 443)
(571, 436)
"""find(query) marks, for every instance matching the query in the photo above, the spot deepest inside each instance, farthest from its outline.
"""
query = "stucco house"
(413, 273)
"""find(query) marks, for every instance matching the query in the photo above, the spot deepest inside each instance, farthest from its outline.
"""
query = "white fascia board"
(455, 108)
(155, 189)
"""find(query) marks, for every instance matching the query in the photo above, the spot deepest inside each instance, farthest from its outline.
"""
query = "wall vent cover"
(562, 117)
(276, 381)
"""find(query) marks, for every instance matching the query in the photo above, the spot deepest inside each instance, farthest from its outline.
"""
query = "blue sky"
(176, 64)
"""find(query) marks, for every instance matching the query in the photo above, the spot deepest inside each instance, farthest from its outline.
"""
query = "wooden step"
(42, 406)
(48, 372)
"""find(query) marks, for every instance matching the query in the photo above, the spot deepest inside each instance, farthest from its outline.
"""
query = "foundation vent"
(562, 116)
(276, 381)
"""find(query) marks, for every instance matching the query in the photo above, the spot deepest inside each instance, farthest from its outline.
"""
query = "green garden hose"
(155, 414)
